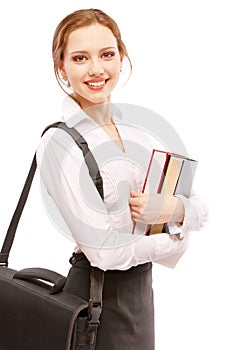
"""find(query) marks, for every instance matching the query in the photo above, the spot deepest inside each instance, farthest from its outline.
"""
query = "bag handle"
(35, 274)
(93, 171)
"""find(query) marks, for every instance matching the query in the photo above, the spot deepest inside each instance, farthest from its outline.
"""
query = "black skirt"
(127, 318)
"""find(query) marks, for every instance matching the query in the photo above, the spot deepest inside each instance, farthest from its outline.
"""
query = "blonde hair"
(76, 20)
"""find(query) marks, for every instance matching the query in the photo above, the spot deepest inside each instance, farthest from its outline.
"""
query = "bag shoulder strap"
(93, 171)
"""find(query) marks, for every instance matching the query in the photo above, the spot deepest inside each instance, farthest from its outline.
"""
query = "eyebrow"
(86, 52)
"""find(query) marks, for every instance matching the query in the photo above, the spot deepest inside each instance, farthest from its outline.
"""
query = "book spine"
(173, 170)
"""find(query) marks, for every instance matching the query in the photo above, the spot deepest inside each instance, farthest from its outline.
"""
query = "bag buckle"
(4, 259)
(94, 311)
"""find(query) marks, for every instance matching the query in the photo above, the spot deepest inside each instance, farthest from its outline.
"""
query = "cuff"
(176, 228)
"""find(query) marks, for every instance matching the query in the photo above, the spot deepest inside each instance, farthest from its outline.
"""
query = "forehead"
(90, 38)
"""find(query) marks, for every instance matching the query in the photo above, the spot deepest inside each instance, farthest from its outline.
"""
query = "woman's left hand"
(156, 208)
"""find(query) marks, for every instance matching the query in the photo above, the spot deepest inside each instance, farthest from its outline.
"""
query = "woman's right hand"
(156, 208)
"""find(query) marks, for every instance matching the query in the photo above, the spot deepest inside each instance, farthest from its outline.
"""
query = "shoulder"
(56, 143)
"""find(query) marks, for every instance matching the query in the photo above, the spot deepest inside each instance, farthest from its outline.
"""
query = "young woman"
(88, 54)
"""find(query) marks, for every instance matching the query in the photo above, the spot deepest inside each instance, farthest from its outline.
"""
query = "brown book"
(169, 185)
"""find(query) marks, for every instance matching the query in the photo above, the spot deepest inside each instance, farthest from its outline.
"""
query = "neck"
(100, 113)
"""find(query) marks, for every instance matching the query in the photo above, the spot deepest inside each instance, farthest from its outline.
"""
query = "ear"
(62, 71)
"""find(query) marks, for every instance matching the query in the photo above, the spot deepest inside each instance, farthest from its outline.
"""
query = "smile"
(96, 84)
(101, 83)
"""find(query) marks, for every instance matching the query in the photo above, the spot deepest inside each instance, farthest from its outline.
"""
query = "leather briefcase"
(34, 314)
(32, 318)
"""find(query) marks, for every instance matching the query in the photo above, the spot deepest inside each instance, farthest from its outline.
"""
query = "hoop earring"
(66, 82)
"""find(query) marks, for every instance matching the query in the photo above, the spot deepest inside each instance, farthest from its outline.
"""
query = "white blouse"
(101, 229)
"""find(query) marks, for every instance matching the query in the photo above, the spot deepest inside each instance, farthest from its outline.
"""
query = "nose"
(96, 68)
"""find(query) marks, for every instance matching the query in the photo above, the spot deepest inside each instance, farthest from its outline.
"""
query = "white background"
(182, 56)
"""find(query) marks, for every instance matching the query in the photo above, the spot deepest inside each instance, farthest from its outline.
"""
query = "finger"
(134, 202)
(136, 210)
(135, 215)
(135, 194)
(137, 219)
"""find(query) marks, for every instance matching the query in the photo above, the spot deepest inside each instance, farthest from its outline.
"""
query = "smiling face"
(92, 64)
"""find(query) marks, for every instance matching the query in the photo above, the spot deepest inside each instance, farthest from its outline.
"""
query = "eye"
(79, 58)
(108, 54)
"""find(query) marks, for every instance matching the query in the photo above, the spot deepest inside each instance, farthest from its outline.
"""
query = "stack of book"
(168, 173)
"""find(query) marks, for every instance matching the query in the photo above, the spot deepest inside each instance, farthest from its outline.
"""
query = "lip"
(96, 84)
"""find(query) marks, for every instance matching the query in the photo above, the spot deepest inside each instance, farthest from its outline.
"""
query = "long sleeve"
(89, 219)
(196, 213)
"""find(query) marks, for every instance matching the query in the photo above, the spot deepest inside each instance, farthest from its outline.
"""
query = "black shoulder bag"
(34, 315)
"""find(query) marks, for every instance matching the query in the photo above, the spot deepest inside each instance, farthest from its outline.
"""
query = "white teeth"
(100, 83)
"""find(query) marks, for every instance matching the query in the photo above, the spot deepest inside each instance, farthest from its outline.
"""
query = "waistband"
(80, 260)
